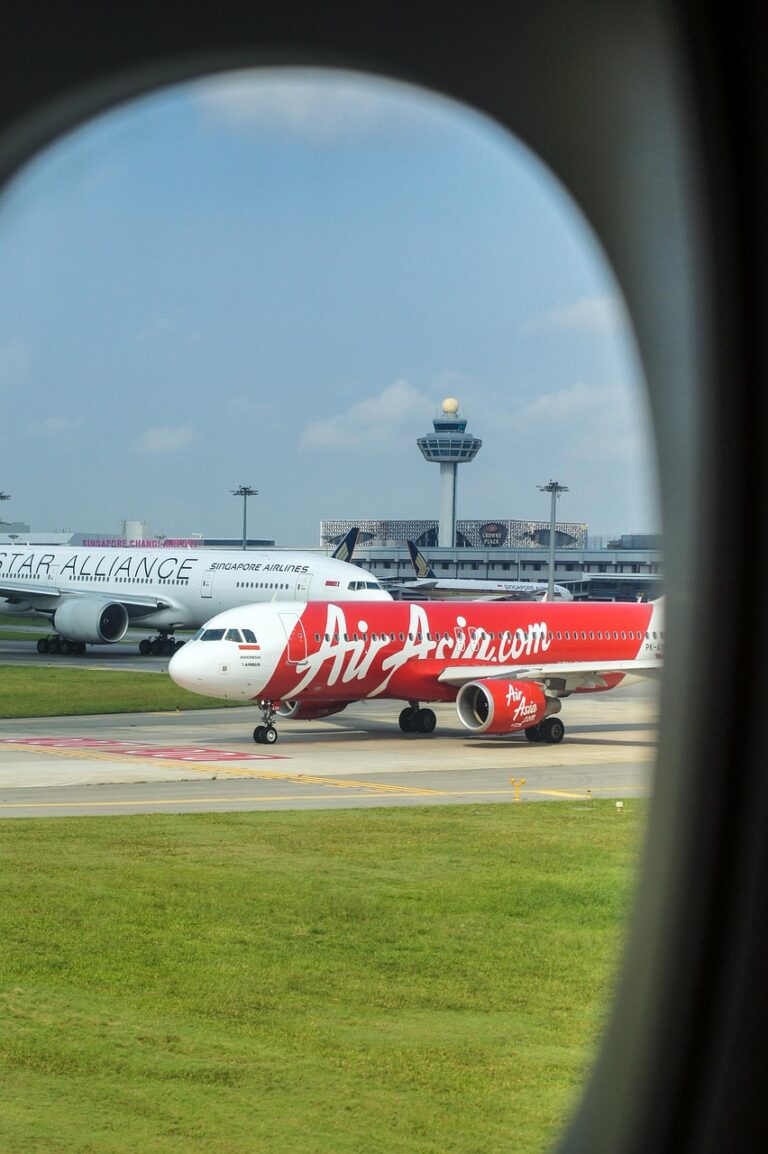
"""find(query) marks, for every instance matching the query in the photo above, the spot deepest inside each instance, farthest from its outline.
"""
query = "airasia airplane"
(507, 665)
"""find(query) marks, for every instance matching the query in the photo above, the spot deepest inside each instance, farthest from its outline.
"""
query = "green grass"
(429, 981)
(44, 691)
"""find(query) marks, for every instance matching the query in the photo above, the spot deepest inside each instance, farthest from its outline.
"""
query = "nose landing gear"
(266, 734)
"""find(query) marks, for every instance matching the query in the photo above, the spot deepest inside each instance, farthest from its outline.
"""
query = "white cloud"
(166, 440)
(54, 426)
(315, 106)
(589, 423)
(598, 314)
(371, 425)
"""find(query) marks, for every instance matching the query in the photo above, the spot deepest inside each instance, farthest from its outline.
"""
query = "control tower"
(449, 446)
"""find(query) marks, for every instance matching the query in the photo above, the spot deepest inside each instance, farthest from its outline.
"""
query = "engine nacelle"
(503, 706)
(86, 619)
(309, 710)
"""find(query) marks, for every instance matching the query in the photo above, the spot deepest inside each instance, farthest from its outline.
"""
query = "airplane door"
(206, 587)
(295, 636)
(302, 586)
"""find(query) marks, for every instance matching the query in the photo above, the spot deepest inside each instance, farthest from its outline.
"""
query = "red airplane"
(506, 664)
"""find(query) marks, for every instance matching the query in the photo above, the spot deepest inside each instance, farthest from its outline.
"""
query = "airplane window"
(233, 635)
(170, 285)
(249, 636)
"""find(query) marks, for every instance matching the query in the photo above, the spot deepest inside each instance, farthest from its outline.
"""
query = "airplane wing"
(47, 596)
(559, 678)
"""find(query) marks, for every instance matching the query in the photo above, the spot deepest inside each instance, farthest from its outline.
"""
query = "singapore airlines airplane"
(93, 595)
(507, 665)
(432, 587)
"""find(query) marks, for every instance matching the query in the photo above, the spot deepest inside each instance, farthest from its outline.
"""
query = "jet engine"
(86, 619)
(503, 706)
(309, 710)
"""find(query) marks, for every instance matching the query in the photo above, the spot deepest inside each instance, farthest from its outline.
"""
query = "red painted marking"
(249, 647)
(137, 749)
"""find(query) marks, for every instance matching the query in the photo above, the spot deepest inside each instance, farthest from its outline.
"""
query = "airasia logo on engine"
(524, 711)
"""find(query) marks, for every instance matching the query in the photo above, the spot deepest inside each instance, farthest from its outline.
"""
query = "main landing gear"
(57, 644)
(164, 645)
(415, 720)
(551, 730)
(266, 734)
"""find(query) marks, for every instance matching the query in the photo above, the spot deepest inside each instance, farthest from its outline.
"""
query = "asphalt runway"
(206, 760)
(125, 656)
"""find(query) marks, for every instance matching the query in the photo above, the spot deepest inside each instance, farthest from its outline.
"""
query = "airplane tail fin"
(420, 563)
(345, 548)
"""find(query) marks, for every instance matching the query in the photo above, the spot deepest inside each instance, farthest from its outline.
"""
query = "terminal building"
(622, 569)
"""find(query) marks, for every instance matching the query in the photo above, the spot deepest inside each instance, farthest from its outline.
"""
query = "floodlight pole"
(245, 491)
(555, 488)
(4, 497)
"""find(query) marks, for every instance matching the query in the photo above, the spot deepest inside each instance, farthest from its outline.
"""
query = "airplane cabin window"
(422, 251)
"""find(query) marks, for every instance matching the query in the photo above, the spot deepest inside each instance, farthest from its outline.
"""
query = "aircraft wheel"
(169, 646)
(407, 720)
(534, 733)
(145, 647)
(177, 645)
(270, 734)
(258, 735)
(57, 645)
(426, 720)
(552, 730)
(81, 649)
(43, 645)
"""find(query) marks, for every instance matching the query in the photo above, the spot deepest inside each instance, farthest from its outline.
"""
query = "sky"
(274, 278)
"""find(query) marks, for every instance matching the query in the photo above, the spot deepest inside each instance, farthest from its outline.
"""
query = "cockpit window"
(249, 635)
(212, 635)
(233, 635)
(371, 585)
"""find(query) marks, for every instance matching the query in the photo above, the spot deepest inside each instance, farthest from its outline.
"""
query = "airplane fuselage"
(409, 650)
(166, 588)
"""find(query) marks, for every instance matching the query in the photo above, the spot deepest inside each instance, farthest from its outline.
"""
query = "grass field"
(44, 691)
(429, 981)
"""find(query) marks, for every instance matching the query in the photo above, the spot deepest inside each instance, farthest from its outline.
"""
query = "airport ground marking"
(105, 751)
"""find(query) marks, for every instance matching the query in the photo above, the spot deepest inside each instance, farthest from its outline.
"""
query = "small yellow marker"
(620, 807)
(517, 782)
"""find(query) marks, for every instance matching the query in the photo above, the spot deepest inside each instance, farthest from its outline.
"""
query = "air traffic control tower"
(449, 446)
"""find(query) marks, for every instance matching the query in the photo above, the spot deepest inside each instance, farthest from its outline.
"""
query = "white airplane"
(431, 587)
(92, 596)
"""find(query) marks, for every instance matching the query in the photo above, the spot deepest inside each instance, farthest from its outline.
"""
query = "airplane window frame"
(649, 114)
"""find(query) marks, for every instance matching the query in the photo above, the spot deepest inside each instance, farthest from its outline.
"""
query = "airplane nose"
(185, 668)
